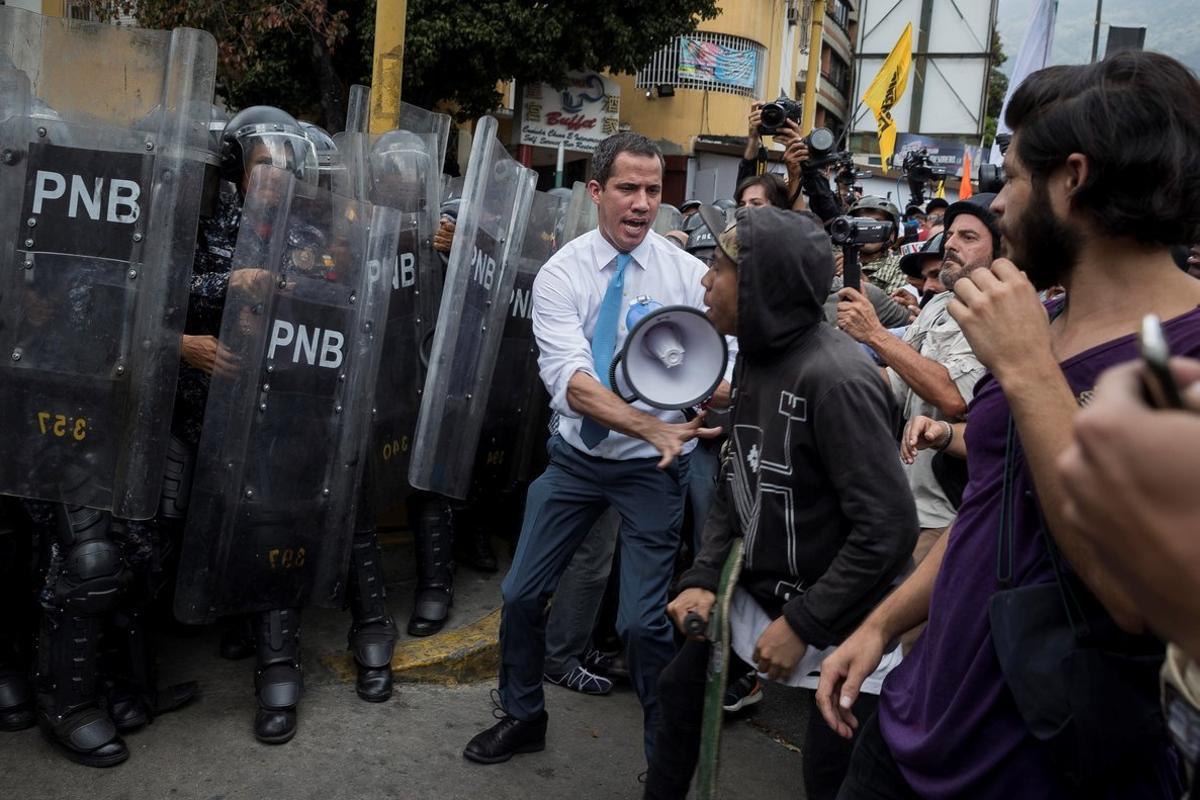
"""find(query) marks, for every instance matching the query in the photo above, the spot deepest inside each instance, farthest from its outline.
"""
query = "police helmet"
(873, 202)
(274, 136)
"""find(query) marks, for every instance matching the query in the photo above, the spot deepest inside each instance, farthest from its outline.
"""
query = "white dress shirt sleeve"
(563, 349)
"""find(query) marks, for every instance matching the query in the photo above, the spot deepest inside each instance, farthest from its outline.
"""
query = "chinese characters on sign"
(579, 115)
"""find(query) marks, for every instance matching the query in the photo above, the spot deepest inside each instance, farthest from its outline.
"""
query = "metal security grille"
(665, 67)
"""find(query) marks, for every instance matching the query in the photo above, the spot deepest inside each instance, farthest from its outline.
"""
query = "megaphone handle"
(689, 413)
(612, 379)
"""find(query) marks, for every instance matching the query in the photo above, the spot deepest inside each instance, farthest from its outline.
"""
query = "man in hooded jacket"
(811, 480)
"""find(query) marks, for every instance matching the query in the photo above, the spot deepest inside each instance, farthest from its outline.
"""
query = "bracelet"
(949, 436)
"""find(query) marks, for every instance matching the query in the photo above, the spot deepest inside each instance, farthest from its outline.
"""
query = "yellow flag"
(886, 90)
(941, 190)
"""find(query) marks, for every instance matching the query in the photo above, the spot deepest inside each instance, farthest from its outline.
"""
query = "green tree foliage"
(997, 87)
(303, 55)
(456, 51)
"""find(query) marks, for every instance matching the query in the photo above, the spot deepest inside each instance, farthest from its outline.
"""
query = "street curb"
(467, 654)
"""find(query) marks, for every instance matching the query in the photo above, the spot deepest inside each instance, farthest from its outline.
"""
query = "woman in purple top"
(1095, 197)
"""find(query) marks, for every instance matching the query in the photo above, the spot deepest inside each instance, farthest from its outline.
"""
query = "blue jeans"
(561, 507)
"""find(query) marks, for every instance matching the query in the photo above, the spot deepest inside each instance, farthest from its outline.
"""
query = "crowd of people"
(962, 512)
(964, 519)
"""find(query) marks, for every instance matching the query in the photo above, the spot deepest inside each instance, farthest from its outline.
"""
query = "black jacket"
(813, 479)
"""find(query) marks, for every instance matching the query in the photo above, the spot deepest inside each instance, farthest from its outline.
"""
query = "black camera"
(920, 172)
(821, 144)
(991, 178)
(775, 115)
(856, 231)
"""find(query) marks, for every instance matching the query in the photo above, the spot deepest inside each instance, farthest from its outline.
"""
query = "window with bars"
(713, 61)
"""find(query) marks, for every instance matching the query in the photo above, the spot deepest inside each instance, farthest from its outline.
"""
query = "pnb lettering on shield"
(305, 345)
(121, 196)
(483, 268)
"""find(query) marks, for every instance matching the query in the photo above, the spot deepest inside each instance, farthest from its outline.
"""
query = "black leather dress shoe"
(86, 737)
(430, 612)
(508, 736)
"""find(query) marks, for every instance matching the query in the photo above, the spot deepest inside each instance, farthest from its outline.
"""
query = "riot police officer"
(267, 135)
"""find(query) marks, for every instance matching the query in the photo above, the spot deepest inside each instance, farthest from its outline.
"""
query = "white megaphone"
(673, 357)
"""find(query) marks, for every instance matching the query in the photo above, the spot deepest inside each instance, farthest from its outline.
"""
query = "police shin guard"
(84, 583)
(373, 633)
(433, 535)
(277, 678)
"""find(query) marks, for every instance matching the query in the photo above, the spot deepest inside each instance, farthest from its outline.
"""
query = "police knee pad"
(93, 577)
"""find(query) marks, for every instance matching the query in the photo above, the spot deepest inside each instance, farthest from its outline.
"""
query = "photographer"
(803, 181)
(880, 260)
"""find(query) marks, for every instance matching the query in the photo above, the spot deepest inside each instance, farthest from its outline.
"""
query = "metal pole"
(387, 65)
(814, 65)
(1096, 32)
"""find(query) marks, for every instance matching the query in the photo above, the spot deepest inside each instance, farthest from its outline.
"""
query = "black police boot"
(16, 701)
(237, 637)
(475, 549)
(433, 535)
(277, 677)
(373, 633)
(134, 697)
(70, 713)
(16, 631)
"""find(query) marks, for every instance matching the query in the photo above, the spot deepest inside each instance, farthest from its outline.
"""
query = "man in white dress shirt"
(606, 452)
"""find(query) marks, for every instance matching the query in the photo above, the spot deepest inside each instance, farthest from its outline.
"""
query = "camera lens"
(821, 140)
(773, 115)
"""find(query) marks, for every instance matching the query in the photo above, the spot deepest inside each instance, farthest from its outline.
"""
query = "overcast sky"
(1173, 27)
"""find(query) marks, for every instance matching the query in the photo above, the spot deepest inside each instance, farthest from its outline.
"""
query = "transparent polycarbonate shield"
(479, 283)
(413, 119)
(669, 218)
(518, 412)
(581, 213)
(397, 170)
(103, 145)
(280, 457)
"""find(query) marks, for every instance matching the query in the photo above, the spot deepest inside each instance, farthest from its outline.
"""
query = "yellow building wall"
(674, 122)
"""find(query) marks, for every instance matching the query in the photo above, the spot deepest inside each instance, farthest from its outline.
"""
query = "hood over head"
(785, 269)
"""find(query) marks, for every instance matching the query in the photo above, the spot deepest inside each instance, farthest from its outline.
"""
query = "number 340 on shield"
(61, 425)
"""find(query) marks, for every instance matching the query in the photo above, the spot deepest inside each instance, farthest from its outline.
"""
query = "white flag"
(1035, 52)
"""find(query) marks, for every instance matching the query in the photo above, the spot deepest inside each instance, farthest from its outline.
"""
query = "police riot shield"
(518, 410)
(581, 213)
(581, 216)
(669, 218)
(280, 457)
(102, 154)
(397, 170)
(479, 282)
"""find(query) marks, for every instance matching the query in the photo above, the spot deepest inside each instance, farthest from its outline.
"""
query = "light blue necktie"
(604, 342)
